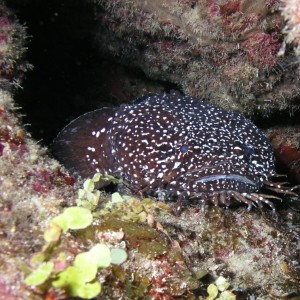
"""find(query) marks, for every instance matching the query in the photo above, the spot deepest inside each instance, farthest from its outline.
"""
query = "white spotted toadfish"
(173, 147)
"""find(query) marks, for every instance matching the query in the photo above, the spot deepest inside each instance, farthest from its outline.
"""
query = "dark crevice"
(69, 77)
(61, 51)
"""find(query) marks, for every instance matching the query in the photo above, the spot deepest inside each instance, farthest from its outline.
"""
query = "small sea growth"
(52, 270)
(219, 290)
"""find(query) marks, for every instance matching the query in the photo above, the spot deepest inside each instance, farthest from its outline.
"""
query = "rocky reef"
(224, 51)
(290, 12)
(227, 52)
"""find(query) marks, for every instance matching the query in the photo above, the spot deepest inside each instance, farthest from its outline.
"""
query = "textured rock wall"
(32, 186)
(224, 51)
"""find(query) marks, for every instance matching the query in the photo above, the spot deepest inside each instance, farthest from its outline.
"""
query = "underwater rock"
(223, 51)
(32, 186)
(291, 13)
(286, 144)
(255, 251)
(12, 49)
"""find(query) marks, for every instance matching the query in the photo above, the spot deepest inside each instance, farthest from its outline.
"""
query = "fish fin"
(83, 146)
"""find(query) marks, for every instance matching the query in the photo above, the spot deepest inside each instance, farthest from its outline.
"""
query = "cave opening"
(69, 75)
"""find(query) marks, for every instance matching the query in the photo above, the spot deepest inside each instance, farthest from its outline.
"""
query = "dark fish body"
(171, 146)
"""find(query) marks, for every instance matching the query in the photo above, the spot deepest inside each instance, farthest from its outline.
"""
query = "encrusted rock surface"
(224, 51)
(32, 186)
(286, 144)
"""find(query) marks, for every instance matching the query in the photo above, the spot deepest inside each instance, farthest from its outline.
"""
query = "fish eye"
(184, 149)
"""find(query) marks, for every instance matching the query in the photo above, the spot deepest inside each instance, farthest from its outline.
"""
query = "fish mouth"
(221, 176)
(230, 177)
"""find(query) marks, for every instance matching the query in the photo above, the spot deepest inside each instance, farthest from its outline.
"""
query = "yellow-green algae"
(122, 223)
(79, 278)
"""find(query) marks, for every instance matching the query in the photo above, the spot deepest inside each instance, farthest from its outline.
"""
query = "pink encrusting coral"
(261, 49)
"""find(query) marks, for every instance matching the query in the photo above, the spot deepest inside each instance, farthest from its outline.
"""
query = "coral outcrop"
(32, 186)
(286, 144)
(223, 51)
(291, 14)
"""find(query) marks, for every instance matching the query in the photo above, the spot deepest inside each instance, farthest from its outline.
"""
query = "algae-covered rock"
(224, 51)
(32, 186)
(255, 251)
(152, 268)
